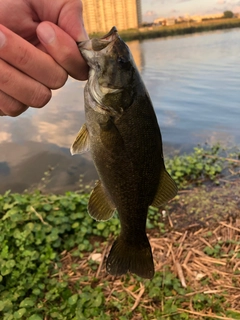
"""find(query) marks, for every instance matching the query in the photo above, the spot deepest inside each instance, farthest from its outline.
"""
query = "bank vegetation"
(52, 253)
(176, 29)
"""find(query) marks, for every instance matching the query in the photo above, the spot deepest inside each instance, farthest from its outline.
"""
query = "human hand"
(38, 50)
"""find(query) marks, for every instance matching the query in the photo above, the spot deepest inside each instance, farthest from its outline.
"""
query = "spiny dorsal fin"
(167, 189)
(100, 207)
(81, 143)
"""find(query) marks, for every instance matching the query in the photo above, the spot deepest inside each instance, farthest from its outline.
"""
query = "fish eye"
(123, 62)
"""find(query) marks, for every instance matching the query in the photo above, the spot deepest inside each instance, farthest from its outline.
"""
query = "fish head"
(111, 72)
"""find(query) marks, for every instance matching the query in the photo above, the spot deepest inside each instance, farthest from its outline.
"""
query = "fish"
(123, 136)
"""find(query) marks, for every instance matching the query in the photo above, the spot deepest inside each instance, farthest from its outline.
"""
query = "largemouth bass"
(123, 136)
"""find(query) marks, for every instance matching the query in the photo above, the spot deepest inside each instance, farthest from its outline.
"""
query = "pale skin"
(38, 51)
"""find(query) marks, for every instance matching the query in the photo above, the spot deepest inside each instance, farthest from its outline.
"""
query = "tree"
(227, 14)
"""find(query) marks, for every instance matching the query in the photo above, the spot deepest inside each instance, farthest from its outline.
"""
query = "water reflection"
(37, 158)
(138, 53)
(57, 123)
(193, 82)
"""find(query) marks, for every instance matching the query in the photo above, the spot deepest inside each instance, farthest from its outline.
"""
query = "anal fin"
(167, 189)
(81, 143)
(100, 207)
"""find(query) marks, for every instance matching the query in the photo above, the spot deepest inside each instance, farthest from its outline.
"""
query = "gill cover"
(93, 51)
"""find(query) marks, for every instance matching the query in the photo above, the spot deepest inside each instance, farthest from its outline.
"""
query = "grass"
(52, 254)
(177, 29)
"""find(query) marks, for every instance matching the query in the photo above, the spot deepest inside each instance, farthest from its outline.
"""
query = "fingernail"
(83, 35)
(46, 33)
(2, 39)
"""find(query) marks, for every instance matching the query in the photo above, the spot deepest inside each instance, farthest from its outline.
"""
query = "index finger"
(66, 14)
(30, 60)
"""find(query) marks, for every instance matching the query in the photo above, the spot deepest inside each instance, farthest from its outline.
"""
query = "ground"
(200, 245)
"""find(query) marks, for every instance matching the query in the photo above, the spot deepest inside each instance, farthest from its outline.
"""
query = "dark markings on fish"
(124, 139)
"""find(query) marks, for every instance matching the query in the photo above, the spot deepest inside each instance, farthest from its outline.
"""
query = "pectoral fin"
(100, 207)
(167, 189)
(81, 143)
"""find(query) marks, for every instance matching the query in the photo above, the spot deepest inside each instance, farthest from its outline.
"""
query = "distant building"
(170, 21)
(213, 16)
(196, 18)
(102, 15)
(187, 18)
(206, 17)
(165, 21)
(182, 19)
(160, 21)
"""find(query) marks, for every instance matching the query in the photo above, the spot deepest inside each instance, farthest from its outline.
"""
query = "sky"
(152, 9)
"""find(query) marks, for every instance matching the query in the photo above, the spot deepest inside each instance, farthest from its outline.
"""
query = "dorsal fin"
(167, 189)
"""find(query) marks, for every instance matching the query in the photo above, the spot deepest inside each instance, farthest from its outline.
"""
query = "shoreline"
(174, 30)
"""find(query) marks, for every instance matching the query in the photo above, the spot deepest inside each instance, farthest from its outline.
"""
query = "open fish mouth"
(111, 35)
(101, 43)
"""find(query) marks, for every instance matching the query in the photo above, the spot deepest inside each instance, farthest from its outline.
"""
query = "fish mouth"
(101, 43)
(111, 35)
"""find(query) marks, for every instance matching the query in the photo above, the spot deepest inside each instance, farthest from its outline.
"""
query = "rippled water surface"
(194, 83)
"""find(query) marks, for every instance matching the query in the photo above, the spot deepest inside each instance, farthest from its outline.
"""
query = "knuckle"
(23, 57)
(73, 66)
(82, 73)
(6, 78)
(10, 106)
(19, 109)
(40, 97)
(59, 78)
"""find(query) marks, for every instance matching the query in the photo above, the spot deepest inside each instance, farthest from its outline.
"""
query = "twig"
(101, 263)
(170, 221)
(222, 158)
(181, 244)
(180, 274)
(229, 226)
(204, 315)
(237, 266)
(130, 292)
(212, 291)
(205, 241)
(187, 257)
(39, 216)
(213, 260)
(139, 297)
(198, 231)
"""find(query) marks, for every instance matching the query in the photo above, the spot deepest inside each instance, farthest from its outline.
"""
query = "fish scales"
(124, 139)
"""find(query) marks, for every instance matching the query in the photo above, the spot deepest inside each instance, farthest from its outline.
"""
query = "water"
(193, 81)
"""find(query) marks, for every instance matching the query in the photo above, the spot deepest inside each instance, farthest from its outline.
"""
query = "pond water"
(194, 83)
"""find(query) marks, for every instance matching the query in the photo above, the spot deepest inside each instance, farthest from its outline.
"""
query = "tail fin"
(136, 259)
